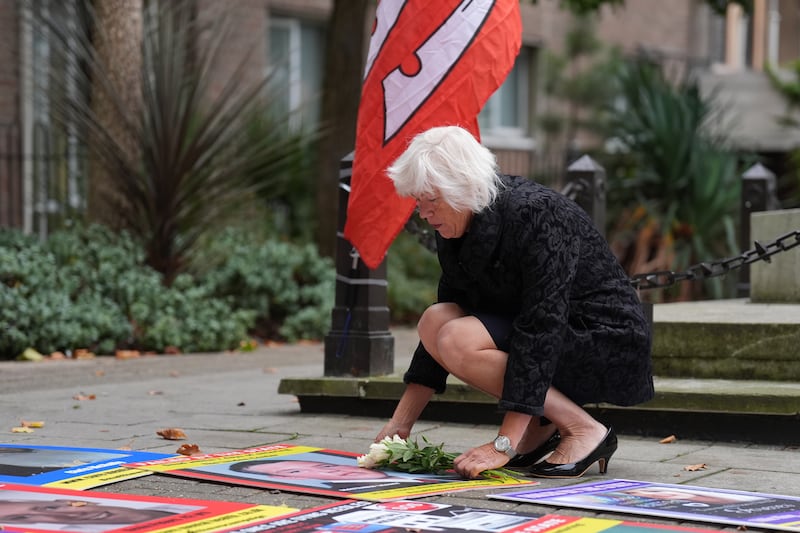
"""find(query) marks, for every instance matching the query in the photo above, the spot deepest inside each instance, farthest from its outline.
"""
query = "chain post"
(758, 194)
(587, 179)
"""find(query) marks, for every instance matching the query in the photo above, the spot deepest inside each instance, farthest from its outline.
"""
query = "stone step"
(707, 395)
(727, 339)
(725, 370)
(763, 412)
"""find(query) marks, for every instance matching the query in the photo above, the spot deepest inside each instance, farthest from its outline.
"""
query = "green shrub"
(45, 306)
(290, 287)
(88, 287)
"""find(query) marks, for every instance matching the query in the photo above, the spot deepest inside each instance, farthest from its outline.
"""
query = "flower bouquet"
(396, 453)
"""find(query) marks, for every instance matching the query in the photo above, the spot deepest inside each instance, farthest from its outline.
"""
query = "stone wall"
(779, 280)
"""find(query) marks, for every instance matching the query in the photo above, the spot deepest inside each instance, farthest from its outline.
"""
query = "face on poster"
(31, 509)
(66, 467)
(79, 512)
(319, 469)
(26, 461)
(311, 470)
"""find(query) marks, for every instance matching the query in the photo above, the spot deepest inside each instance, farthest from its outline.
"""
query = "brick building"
(727, 51)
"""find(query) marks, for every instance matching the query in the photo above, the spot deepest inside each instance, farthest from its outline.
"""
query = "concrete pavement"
(229, 401)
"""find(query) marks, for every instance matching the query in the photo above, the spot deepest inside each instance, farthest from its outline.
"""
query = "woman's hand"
(471, 463)
(408, 409)
(392, 428)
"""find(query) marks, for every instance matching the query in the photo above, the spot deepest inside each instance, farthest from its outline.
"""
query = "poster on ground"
(29, 509)
(403, 516)
(310, 470)
(685, 502)
(71, 468)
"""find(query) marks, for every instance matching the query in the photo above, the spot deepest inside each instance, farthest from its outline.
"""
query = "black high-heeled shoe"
(524, 460)
(601, 455)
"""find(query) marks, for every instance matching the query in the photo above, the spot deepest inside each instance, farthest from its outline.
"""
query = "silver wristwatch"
(503, 445)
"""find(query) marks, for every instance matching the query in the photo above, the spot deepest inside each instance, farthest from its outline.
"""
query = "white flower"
(378, 452)
(365, 461)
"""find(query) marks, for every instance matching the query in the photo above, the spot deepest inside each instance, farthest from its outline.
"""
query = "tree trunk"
(117, 39)
(341, 95)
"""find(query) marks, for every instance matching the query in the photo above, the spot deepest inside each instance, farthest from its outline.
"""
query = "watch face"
(502, 443)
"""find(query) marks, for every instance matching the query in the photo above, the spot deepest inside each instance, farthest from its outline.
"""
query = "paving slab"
(231, 401)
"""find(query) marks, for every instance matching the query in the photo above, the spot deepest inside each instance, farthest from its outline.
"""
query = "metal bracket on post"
(586, 184)
(358, 343)
(758, 194)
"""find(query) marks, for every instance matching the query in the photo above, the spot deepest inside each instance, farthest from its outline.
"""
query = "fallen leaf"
(695, 468)
(82, 396)
(171, 433)
(174, 374)
(29, 354)
(270, 370)
(248, 345)
(83, 353)
(172, 350)
(154, 393)
(78, 503)
(189, 449)
(127, 354)
(668, 440)
(99, 373)
(58, 355)
(22, 429)
(32, 424)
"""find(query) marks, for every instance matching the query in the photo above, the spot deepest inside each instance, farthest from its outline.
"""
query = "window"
(504, 118)
(296, 60)
(54, 171)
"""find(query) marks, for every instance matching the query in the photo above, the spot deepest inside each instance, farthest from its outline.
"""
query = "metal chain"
(760, 252)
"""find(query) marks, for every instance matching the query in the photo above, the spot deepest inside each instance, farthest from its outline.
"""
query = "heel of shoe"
(602, 463)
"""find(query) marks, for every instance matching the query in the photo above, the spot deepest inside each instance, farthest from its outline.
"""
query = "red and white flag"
(430, 63)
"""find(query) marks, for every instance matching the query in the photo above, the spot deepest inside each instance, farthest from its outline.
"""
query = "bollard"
(358, 343)
(586, 184)
(758, 194)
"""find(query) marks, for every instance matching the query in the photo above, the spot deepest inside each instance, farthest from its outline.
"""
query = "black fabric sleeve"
(424, 370)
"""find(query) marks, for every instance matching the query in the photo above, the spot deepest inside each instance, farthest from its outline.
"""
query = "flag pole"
(359, 342)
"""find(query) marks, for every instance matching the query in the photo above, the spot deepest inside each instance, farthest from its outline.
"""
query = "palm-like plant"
(186, 158)
(681, 176)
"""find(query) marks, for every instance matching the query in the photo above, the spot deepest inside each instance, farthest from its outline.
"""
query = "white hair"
(450, 160)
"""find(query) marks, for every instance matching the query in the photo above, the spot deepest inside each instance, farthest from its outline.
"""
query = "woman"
(533, 308)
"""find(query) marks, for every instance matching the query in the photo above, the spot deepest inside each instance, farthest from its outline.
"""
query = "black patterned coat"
(577, 323)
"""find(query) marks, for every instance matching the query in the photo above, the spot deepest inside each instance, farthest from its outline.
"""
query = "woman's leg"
(462, 345)
(580, 433)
